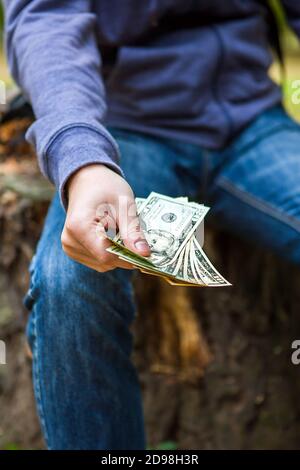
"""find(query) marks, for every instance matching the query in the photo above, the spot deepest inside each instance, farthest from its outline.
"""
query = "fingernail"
(141, 245)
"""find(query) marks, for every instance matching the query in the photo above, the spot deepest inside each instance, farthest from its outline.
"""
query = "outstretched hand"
(99, 199)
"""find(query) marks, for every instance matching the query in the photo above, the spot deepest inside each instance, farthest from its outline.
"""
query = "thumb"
(129, 227)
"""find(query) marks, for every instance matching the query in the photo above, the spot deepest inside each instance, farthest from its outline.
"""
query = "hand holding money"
(94, 207)
(169, 226)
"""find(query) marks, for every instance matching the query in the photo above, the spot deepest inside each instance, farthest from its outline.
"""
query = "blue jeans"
(86, 387)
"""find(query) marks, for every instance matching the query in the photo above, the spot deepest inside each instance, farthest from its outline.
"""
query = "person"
(132, 97)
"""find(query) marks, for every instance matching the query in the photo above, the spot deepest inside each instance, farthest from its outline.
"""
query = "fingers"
(87, 247)
(129, 227)
(84, 237)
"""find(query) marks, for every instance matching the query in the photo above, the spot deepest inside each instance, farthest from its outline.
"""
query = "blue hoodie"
(194, 70)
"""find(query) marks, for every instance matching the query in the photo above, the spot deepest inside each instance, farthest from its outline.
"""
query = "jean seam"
(259, 204)
(34, 287)
(37, 388)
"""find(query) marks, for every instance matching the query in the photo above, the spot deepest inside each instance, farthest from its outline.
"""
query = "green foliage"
(288, 37)
(166, 445)
(278, 10)
(12, 446)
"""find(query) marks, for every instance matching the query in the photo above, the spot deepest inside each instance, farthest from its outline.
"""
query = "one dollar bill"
(169, 226)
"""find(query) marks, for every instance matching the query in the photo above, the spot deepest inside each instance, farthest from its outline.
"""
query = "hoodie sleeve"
(53, 56)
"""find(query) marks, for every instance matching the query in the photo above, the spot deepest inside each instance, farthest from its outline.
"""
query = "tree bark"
(214, 364)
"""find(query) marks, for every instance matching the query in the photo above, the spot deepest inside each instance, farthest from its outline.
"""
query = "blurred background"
(209, 379)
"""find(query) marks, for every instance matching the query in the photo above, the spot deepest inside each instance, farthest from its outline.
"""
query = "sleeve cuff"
(75, 148)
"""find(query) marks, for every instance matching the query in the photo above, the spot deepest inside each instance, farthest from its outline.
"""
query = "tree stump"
(214, 364)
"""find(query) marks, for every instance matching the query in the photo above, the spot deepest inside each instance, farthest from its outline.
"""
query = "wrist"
(84, 176)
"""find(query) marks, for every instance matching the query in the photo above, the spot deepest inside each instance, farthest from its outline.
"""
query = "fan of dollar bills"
(170, 227)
